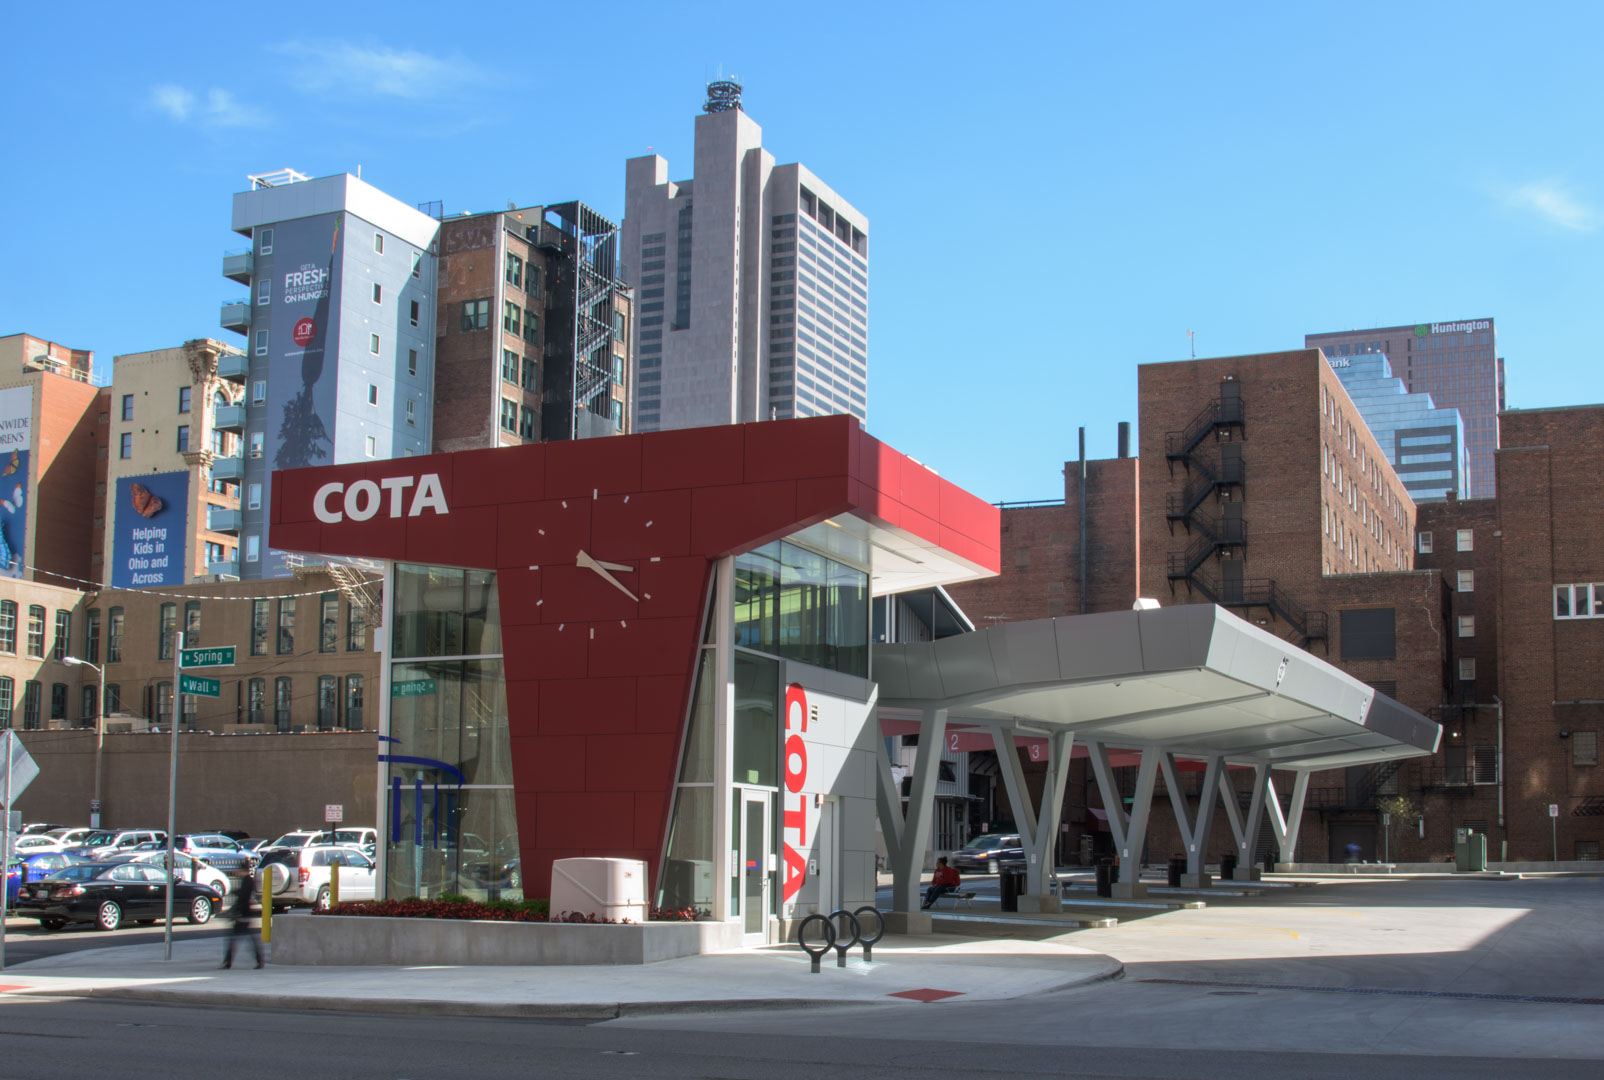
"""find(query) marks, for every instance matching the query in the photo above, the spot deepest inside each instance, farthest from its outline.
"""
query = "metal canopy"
(1193, 679)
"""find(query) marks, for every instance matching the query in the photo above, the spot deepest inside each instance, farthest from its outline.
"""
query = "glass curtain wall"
(450, 823)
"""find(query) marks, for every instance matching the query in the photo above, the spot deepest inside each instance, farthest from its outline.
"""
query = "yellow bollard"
(266, 893)
(334, 882)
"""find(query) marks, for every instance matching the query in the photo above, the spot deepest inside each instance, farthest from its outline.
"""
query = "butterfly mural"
(146, 502)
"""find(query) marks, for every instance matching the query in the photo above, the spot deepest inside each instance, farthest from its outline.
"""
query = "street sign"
(333, 813)
(222, 656)
(412, 688)
(1553, 809)
(23, 768)
(194, 684)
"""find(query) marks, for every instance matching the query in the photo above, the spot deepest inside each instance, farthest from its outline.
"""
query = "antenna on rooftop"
(723, 95)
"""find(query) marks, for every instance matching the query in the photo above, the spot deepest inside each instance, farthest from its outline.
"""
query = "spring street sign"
(215, 657)
(194, 684)
(412, 688)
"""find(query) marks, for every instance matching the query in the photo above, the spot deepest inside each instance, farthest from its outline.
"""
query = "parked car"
(188, 868)
(253, 845)
(44, 863)
(297, 839)
(72, 837)
(39, 827)
(988, 854)
(34, 842)
(301, 875)
(130, 891)
(366, 839)
(102, 843)
(14, 875)
(219, 850)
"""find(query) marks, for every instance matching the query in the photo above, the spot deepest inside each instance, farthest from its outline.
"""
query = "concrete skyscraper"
(751, 283)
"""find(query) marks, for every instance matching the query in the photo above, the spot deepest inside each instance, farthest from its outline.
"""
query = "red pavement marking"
(3, 989)
(927, 995)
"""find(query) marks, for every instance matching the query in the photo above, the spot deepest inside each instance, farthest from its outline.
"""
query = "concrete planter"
(365, 941)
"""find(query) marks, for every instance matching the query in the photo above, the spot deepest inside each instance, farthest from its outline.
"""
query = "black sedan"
(989, 853)
(131, 892)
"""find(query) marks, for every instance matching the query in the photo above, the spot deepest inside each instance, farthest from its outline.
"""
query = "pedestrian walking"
(241, 914)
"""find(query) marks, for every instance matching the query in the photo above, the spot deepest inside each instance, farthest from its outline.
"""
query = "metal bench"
(961, 896)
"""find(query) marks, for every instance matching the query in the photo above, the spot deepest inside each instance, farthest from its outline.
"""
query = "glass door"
(754, 864)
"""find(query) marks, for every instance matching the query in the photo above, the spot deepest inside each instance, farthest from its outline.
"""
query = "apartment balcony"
(235, 367)
(223, 521)
(236, 316)
(238, 265)
(228, 468)
(228, 569)
(229, 418)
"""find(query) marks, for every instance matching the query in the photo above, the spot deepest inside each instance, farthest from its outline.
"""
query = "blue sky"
(1057, 192)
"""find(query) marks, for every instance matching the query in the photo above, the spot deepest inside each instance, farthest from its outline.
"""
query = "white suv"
(301, 875)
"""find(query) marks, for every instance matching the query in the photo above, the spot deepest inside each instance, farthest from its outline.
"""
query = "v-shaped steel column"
(1038, 826)
(1194, 832)
(1245, 831)
(905, 834)
(1130, 832)
(1286, 827)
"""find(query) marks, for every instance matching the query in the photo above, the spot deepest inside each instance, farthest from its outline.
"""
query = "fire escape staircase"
(1214, 536)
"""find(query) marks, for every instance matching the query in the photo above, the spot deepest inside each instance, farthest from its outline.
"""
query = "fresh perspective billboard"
(16, 435)
(150, 530)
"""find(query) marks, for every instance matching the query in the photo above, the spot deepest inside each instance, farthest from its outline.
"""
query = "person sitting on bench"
(942, 882)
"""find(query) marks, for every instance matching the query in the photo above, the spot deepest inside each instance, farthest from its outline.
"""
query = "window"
(286, 627)
(265, 239)
(264, 291)
(531, 325)
(114, 635)
(511, 318)
(86, 706)
(1484, 766)
(1369, 634)
(92, 635)
(412, 361)
(328, 639)
(532, 280)
(412, 411)
(378, 293)
(6, 687)
(58, 701)
(378, 242)
(183, 438)
(371, 444)
(1467, 626)
(1425, 543)
(58, 651)
(1467, 581)
(259, 392)
(259, 616)
(30, 705)
(192, 621)
(1579, 601)
(328, 702)
(509, 415)
(256, 701)
(1467, 668)
(183, 399)
(1466, 539)
(515, 270)
(373, 394)
(253, 496)
(36, 631)
(8, 626)
(169, 626)
(509, 366)
(531, 375)
(373, 344)
(356, 628)
(353, 702)
(526, 423)
(412, 313)
(261, 343)
(476, 314)
(256, 444)
(253, 548)
(125, 445)
(1584, 747)
(114, 699)
(128, 406)
(283, 696)
(417, 264)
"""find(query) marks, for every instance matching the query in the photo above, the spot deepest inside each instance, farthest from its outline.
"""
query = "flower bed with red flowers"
(453, 906)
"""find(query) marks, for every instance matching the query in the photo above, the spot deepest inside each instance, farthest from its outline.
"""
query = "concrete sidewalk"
(905, 971)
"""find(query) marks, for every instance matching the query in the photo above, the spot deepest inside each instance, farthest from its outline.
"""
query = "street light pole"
(100, 735)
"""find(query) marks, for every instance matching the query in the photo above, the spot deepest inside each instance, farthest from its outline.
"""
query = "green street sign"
(194, 684)
(218, 657)
(412, 688)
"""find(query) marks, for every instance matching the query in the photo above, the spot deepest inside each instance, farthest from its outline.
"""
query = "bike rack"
(841, 940)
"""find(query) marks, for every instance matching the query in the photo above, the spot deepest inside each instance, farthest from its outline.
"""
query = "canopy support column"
(1245, 830)
(1038, 827)
(1130, 831)
(910, 830)
(1286, 827)
(1194, 831)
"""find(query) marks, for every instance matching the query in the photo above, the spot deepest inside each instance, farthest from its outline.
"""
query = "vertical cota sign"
(796, 778)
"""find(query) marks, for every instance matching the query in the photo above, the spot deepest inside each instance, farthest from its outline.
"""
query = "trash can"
(1228, 867)
(1177, 868)
(1269, 863)
(1011, 883)
(1105, 877)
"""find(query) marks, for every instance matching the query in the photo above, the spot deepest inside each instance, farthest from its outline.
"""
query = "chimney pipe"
(1124, 438)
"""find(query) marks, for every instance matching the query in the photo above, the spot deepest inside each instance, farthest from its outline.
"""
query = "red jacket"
(945, 875)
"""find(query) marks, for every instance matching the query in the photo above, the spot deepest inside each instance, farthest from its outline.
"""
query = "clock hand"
(605, 565)
(589, 563)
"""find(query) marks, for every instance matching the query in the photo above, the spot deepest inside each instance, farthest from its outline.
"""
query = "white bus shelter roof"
(1193, 679)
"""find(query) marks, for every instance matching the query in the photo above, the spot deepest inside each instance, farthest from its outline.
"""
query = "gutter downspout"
(1499, 702)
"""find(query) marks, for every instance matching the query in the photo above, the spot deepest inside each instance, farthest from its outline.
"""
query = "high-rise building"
(751, 280)
(173, 467)
(533, 331)
(1424, 443)
(339, 322)
(1457, 363)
